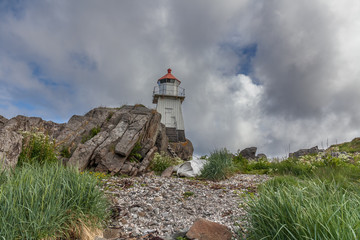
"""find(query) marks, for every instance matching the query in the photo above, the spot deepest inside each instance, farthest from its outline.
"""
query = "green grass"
(38, 148)
(219, 166)
(48, 201)
(313, 208)
(351, 147)
(162, 161)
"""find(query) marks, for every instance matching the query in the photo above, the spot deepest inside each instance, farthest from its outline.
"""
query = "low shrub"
(219, 166)
(162, 161)
(49, 201)
(305, 209)
(93, 132)
(135, 155)
(37, 148)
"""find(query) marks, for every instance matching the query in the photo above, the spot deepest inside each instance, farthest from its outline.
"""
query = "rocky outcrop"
(250, 154)
(116, 140)
(303, 152)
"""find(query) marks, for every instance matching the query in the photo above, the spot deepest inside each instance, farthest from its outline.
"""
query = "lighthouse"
(168, 97)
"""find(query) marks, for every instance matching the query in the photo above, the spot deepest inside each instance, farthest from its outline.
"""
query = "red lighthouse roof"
(169, 76)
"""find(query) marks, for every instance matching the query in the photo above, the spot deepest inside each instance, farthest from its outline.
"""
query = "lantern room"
(168, 97)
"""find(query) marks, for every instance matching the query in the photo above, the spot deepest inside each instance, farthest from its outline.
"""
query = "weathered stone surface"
(10, 148)
(3, 120)
(162, 141)
(303, 152)
(167, 172)
(83, 152)
(147, 160)
(249, 153)
(203, 229)
(183, 150)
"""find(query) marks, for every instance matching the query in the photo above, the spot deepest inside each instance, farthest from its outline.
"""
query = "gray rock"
(249, 153)
(3, 120)
(303, 152)
(167, 172)
(10, 148)
(261, 156)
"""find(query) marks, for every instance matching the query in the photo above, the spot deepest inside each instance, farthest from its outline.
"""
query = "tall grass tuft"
(219, 166)
(48, 201)
(290, 208)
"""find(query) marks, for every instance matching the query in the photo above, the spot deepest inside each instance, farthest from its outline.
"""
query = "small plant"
(135, 155)
(37, 148)
(109, 116)
(162, 161)
(186, 195)
(219, 166)
(65, 152)
(93, 132)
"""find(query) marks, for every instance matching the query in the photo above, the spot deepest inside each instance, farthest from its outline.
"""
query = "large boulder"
(183, 150)
(127, 136)
(10, 148)
(249, 153)
(203, 229)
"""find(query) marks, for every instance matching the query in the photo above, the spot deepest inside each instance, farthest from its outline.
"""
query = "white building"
(168, 97)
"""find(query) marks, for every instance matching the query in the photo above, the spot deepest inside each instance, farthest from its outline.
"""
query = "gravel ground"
(156, 206)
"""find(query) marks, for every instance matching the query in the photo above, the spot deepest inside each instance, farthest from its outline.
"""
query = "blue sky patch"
(83, 61)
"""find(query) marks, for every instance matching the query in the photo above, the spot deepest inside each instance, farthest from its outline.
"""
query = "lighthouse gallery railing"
(165, 91)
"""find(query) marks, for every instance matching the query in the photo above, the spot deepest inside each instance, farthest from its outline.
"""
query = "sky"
(276, 74)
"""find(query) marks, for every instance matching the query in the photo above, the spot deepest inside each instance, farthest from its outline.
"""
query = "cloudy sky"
(276, 74)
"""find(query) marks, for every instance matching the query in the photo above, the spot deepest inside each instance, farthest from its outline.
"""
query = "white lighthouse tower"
(168, 97)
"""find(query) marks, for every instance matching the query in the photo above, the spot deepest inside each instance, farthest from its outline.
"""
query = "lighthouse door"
(170, 118)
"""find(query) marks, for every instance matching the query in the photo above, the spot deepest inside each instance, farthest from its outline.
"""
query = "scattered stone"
(167, 172)
(203, 229)
(111, 233)
(158, 203)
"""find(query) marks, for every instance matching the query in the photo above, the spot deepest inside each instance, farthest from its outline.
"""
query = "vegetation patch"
(38, 148)
(49, 201)
(186, 195)
(93, 132)
(351, 147)
(219, 166)
(314, 208)
(162, 161)
(135, 155)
